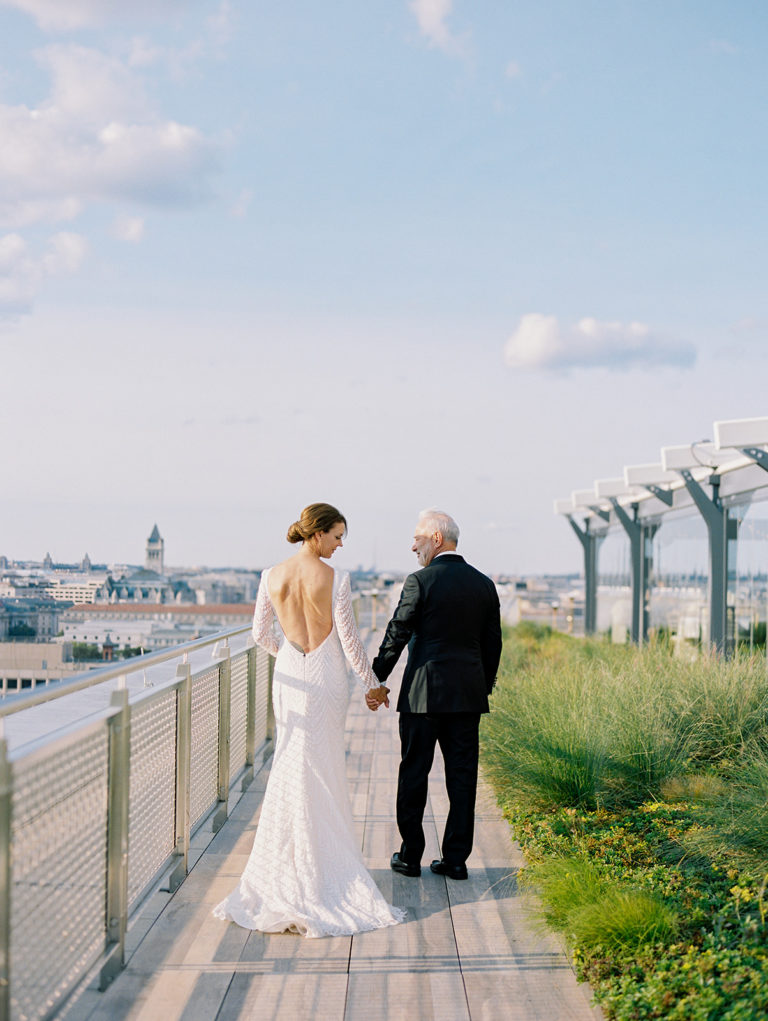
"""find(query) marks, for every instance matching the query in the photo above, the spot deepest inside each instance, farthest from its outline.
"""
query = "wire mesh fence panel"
(151, 828)
(238, 713)
(204, 757)
(262, 697)
(58, 894)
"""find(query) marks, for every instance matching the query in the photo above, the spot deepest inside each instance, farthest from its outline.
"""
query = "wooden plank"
(170, 995)
(272, 953)
(280, 996)
(406, 996)
(506, 957)
(187, 934)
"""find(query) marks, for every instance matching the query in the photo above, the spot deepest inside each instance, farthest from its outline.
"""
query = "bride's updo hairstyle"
(316, 517)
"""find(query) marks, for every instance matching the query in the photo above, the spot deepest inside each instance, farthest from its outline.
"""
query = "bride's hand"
(375, 697)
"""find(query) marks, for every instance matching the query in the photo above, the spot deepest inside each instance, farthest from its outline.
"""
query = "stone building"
(29, 620)
(155, 557)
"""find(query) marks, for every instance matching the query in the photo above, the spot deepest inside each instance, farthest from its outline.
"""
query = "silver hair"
(434, 520)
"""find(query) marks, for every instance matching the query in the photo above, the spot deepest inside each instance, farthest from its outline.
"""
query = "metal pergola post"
(634, 532)
(648, 533)
(640, 535)
(719, 528)
(589, 542)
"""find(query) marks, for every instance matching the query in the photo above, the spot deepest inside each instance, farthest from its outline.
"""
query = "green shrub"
(723, 704)
(623, 920)
(596, 912)
(584, 726)
(733, 816)
(541, 739)
(566, 885)
(637, 784)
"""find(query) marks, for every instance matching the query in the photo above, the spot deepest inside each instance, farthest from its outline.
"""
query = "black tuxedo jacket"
(448, 615)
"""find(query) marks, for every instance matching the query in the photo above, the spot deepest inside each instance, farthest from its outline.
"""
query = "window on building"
(26, 682)
(12, 683)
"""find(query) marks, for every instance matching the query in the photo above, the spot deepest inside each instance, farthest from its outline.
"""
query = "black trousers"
(457, 735)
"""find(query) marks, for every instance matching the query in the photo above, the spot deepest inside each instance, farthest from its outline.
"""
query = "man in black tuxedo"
(448, 615)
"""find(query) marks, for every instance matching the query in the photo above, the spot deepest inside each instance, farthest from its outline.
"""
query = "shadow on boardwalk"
(466, 952)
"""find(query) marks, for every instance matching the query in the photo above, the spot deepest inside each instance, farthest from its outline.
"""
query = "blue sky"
(390, 255)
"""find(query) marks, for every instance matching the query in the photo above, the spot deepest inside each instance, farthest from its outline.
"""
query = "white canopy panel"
(583, 499)
(696, 455)
(649, 475)
(605, 488)
(742, 432)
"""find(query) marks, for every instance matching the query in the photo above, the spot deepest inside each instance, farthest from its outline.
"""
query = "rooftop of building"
(205, 609)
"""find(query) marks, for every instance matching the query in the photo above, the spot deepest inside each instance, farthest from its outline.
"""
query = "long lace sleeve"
(264, 619)
(349, 636)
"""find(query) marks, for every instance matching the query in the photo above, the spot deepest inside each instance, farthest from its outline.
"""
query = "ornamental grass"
(637, 784)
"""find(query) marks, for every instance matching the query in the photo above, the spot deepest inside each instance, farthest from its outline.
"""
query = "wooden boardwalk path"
(468, 950)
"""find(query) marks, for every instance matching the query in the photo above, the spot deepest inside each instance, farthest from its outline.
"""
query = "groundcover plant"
(637, 785)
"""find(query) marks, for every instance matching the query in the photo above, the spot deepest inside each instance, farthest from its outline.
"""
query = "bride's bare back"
(301, 591)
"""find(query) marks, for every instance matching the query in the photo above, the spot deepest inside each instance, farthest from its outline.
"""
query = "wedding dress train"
(306, 873)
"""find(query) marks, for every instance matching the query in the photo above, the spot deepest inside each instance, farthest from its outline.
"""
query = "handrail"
(90, 678)
(95, 814)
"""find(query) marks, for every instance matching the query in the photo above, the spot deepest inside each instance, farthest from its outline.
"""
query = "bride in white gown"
(306, 873)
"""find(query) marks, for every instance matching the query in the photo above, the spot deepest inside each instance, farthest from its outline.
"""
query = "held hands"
(376, 697)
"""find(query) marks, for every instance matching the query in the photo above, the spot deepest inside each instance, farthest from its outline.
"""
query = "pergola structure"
(711, 476)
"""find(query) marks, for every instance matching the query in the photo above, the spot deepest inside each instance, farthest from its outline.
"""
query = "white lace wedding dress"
(306, 873)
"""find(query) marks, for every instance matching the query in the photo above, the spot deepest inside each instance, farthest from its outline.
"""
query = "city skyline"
(417, 254)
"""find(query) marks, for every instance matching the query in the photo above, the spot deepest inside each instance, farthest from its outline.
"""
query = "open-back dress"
(306, 873)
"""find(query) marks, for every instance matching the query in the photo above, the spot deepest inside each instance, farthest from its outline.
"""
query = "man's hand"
(376, 697)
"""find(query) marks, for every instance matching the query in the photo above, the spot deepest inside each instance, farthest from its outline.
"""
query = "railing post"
(270, 707)
(117, 834)
(6, 810)
(250, 718)
(225, 699)
(183, 760)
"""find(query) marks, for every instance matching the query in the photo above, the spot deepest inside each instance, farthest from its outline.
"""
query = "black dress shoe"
(442, 868)
(398, 865)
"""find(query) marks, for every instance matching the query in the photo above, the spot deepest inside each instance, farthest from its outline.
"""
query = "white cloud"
(723, 47)
(178, 62)
(432, 16)
(749, 324)
(22, 272)
(90, 86)
(220, 24)
(540, 343)
(95, 137)
(14, 214)
(128, 228)
(57, 15)
(513, 70)
(241, 205)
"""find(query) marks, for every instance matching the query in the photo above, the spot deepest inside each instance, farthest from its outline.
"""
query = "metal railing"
(95, 813)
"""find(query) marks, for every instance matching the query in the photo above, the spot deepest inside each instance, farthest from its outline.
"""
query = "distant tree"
(21, 630)
(82, 651)
(127, 651)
